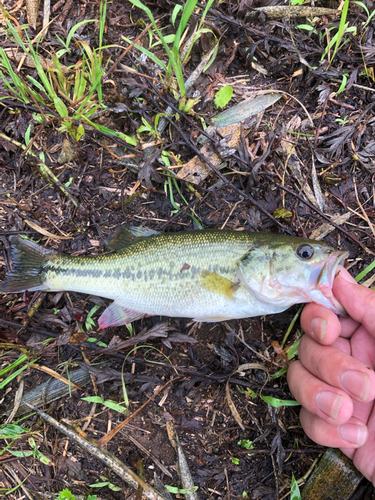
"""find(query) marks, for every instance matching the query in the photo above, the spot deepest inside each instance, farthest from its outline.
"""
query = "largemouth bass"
(208, 275)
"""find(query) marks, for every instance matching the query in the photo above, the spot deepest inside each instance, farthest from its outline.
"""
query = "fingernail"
(318, 328)
(355, 434)
(329, 403)
(357, 383)
(343, 273)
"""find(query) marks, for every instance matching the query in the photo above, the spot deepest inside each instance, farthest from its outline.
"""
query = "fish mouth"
(325, 280)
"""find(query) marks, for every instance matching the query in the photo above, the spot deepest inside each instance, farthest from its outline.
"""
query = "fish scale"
(209, 275)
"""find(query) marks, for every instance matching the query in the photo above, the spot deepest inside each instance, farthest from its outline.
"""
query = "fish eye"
(305, 251)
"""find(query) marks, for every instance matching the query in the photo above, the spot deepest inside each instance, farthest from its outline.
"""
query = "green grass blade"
(176, 10)
(106, 130)
(172, 61)
(342, 28)
(149, 54)
(15, 374)
(102, 17)
(21, 359)
(365, 271)
(209, 3)
(75, 28)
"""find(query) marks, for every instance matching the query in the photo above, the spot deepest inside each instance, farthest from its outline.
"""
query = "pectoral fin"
(116, 315)
(217, 284)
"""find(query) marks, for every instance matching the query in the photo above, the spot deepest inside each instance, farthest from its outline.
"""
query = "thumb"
(358, 300)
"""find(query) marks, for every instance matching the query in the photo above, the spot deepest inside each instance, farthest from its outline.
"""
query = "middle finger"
(337, 369)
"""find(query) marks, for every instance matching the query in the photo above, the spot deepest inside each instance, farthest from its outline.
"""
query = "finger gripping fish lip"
(326, 278)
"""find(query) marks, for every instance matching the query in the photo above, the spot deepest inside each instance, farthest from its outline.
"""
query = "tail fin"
(28, 259)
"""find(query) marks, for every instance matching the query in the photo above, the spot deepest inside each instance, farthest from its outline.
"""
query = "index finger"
(358, 300)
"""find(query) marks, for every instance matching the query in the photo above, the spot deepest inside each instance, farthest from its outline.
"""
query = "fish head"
(286, 270)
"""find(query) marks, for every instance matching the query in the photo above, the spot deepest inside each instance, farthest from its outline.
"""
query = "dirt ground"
(317, 142)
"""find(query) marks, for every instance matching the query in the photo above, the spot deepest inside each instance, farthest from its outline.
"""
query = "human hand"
(334, 378)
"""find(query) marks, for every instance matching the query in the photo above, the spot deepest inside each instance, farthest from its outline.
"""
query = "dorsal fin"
(125, 236)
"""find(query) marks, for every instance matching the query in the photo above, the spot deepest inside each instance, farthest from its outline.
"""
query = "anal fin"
(117, 315)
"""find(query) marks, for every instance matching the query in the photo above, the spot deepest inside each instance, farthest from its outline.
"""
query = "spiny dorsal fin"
(217, 284)
(125, 236)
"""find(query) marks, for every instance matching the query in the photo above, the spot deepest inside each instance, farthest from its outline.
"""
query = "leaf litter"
(306, 159)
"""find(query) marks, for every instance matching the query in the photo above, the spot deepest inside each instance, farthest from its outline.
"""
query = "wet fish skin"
(208, 275)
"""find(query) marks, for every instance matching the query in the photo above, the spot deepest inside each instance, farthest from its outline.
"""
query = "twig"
(325, 217)
(225, 180)
(106, 439)
(121, 57)
(103, 455)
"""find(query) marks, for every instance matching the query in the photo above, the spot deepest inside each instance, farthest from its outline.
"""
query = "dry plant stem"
(106, 439)
(121, 57)
(281, 11)
(213, 168)
(117, 62)
(325, 217)
(150, 456)
(40, 165)
(183, 467)
(32, 12)
(131, 359)
(15, 104)
(225, 180)
(104, 456)
(365, 216)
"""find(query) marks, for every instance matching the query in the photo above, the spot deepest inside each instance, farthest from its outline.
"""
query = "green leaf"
(89, 321)
(108, 402)
(15, 374)
(93, 399)
(67, 184)
(278, 403)
(99, 343)
(176, 491)
(294, 490)
(223, 96)
(279, 373)
(293, 350)
(363, 273)
(113, 487)
(306, 27)
(12, 431)
(114, 406)
(66, 495)
(75, 28)
(343, 84)
(246, 443)
(282, 213)
(22, 454)
(60, 107)
(27, 135)
(99, 485)
(175, 12)
(42, 458)
(109, 131)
